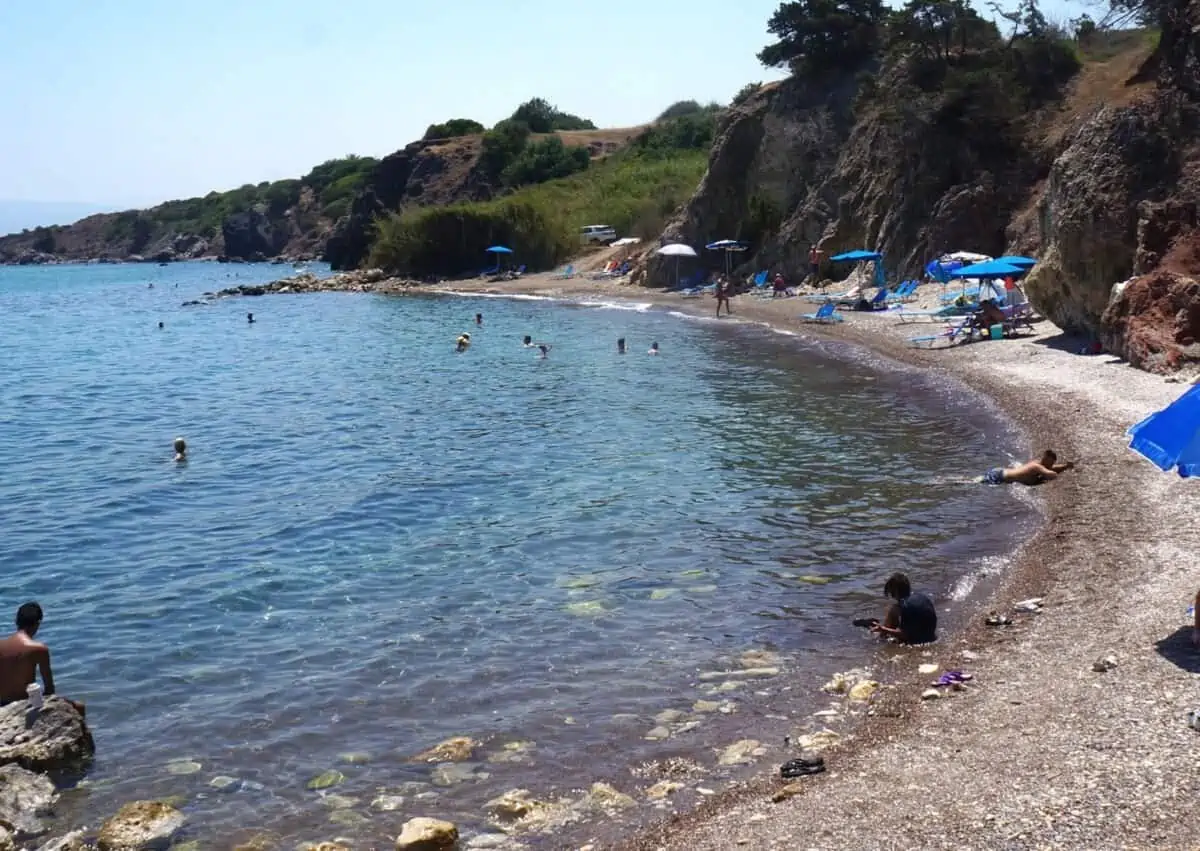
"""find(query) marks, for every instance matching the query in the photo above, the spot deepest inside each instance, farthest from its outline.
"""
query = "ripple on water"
(377, 544)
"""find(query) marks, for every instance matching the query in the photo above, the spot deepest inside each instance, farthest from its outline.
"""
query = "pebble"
(325, 780)
(1104, 664)
(928, 668)
(657, 734)
(669, 716)
(388, 803)
(355, 758)
(181, 767)
(930, 694)
(705, 706)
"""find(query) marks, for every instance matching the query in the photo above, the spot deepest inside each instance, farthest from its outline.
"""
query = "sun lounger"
(568, 272)
(826, 313)
(904, 292)
(876, 303)
(1018, 316)
(952, 333)
(930, 315)
(820, 297)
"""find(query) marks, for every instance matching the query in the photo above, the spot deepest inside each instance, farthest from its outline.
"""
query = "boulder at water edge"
(51, 738)
(427, 834)
(73, 841)
(141, 826)
(24, 798)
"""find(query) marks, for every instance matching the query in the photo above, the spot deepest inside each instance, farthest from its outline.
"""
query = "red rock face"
(1155, 322)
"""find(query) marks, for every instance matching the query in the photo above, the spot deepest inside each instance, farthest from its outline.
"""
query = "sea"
(378, 543)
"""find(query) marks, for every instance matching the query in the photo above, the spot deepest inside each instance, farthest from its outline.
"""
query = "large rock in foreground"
(141, 826)
(52, 738)
(427, 834)
(24, 798)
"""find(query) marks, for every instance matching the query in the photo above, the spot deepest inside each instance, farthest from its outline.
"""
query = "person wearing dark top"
(912, 619)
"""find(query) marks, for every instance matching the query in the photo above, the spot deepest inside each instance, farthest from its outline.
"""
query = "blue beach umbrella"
(861, 255)
(1017, 260)
(499, 250)
(1171, 437)
(728, 246)
(990, 270)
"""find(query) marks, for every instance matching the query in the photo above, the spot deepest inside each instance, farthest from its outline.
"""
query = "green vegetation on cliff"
(635, 191)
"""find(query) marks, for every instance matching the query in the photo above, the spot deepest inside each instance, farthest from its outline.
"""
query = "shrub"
(501, 146)
(330, 171)
(542, 117)
(680, 108)
(544, 160)
(453, 128)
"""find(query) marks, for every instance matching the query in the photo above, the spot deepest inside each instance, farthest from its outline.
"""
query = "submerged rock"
(454, 749)
(24, 798)
(181, 767)
(819, 740)
(759, 659)
(141, 826)
(741, 752)
(76, 840)
(709, 676)
(388, 803)
(514, 752)
(516, 805)
(51, 738)
(663, 789)
(453, 773)
(427, 834)
(606, 798)
(325, 780)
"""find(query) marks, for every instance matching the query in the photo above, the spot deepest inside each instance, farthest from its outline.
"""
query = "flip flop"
(801, 767)
(997, 619)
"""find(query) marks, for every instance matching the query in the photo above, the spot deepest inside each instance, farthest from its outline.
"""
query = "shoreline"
(1041, 750)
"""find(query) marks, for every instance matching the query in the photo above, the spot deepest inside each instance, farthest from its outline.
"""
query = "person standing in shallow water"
(620, 345)
(912, 619)
(22, 659)
(528, 342)
(653, 349)
(250, 318)
(723, 294)
(479, 319)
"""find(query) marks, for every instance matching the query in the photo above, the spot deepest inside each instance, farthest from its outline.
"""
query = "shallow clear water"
(378, 543)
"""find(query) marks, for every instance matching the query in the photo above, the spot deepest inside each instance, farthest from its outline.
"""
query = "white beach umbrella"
(676, 250)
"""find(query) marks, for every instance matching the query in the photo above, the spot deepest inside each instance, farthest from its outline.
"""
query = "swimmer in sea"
(160, 325)
(478, 318)
(544, 349)
(463, 343)
(180, 450)
(528, 341)
(620, 345)
(250, 318)
(1030, 473)
(653, 349)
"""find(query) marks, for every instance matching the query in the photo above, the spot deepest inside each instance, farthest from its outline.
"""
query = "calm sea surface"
(378, 543)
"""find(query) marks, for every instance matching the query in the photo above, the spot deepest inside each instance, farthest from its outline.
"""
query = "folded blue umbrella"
(1170, 438)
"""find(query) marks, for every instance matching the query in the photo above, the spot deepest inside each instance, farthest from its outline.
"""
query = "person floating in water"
(544, 349)
(620, 345)
(1030, 473)
(478, 318)
(653, 349)
(250, 317)
(180, 449)
(150, 286)
(463, 343)
(912, 619)
(528, 341)
(160, 325)
(22, 658)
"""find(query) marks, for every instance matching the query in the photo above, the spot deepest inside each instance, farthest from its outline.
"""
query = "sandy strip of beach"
(1041, 751)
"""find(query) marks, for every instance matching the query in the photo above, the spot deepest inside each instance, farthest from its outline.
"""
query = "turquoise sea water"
(378, 543)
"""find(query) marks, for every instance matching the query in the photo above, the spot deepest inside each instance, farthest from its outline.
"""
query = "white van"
(597, 233)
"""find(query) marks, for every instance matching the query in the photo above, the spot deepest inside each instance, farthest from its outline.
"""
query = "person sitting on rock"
(1030, 473)
(21, 658)
(912, 619)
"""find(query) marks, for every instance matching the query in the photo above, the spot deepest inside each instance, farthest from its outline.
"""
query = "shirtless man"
(21, 658)
(1044, 469)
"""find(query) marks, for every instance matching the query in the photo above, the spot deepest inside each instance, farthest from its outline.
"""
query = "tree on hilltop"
(454, 128)
(818, 36)
(540, 116)
(935, 29)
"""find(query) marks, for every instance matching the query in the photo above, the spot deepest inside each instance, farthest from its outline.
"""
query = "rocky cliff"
(1095, 170)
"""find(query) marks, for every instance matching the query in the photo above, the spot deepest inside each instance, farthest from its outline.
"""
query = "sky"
(125, 103)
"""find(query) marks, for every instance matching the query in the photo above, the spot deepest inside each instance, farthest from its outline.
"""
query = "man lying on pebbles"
(1030, 473)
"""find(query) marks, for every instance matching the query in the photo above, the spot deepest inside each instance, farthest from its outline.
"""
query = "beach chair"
(967, 295)
(487, 272)
(1018, 316)
(954, 332)
(879, 302)
(904, 292)
(566, 273)
(819, 298)
(931, 315)
(826, 313)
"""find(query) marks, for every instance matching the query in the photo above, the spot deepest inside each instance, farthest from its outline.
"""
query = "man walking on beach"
(21, 658)
(723, 288)
(1030, 473)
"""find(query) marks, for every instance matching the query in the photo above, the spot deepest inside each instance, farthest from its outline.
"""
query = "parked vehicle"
(597, 233)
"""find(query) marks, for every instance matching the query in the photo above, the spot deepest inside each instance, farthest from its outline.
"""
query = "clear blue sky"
(132, 102)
